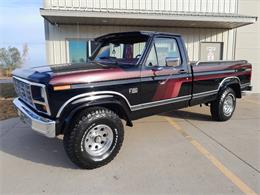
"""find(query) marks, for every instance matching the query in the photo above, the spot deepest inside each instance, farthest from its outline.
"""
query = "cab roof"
(140, 34)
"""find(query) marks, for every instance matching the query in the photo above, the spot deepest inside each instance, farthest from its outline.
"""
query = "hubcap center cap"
(98, 139)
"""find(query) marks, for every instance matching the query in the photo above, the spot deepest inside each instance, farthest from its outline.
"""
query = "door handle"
(182, 71)
(157, 68)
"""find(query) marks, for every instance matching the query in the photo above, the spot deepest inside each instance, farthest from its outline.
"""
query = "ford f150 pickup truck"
(130, 75)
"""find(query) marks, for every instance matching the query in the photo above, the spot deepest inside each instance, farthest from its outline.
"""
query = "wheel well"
(119, 111)
(236, 88)
(111, 106)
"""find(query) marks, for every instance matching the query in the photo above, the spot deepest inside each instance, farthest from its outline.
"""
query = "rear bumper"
(246, 87)
(38, 123)
(249, 88)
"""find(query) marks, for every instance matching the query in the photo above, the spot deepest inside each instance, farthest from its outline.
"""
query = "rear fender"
(232, 82)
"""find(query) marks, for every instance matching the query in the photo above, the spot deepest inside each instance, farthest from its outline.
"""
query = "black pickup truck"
(130, 75)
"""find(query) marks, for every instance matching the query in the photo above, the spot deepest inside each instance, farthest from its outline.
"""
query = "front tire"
(94, 138)
(224, 106)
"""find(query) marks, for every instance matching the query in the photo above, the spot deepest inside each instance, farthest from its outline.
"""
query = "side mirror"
(172, 61)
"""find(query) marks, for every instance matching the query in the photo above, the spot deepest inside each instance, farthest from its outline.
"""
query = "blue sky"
(21, 22)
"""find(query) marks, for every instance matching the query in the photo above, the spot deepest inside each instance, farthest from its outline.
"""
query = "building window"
(80, 50)
(211, 51)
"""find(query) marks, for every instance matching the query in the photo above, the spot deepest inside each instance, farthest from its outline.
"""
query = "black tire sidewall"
(81, 125)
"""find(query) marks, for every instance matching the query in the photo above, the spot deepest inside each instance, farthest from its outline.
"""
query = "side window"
(138, 49)
(166, 48)
(152, 58)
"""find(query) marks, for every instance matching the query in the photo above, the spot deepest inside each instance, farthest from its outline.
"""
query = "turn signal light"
(61, 87)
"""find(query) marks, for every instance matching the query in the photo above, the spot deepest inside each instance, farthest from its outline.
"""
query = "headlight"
(39, 99)
(42, 93)
(38, 93)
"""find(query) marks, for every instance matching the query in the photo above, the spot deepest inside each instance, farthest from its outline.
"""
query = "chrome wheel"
(228, 105)
(98, 140)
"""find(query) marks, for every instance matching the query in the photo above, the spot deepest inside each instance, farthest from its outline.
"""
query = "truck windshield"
(121, 51)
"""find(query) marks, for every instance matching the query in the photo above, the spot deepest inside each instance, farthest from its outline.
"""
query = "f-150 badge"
(133, 90)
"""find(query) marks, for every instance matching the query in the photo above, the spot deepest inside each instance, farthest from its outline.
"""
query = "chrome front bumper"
(38, 123)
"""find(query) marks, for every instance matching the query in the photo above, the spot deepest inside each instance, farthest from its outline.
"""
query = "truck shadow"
(183, 114)
(25, 144)
(21, 142)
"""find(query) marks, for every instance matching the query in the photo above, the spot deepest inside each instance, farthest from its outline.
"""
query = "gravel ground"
(7, 109)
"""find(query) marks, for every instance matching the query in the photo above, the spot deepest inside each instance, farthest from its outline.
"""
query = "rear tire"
(224, 106)
(94, 138)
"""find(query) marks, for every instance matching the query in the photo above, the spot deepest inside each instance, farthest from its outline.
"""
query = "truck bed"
(208, 75)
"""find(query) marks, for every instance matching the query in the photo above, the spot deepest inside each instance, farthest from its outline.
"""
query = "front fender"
(110, 101)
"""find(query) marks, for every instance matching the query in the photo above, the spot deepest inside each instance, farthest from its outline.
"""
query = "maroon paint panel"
(220, 67)
(170, 89)
(208, 77)
(94, 76)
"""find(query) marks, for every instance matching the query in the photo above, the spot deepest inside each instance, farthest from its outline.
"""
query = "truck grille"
(23, 90)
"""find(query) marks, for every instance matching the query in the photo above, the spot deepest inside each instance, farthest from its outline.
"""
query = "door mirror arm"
(157, 68)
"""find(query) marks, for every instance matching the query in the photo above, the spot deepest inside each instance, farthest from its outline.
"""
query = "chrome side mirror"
(172, 61)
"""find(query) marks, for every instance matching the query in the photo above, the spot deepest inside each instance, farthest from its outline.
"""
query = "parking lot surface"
(182, 152)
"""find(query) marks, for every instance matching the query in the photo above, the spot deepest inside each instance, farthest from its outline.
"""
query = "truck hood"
(73, 73)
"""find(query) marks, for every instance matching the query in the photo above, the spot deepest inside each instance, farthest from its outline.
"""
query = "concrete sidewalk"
(155, 158)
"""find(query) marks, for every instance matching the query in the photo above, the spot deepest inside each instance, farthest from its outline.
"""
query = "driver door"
(165, 76)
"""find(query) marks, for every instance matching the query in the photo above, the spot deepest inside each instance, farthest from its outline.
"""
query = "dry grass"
(7, 109)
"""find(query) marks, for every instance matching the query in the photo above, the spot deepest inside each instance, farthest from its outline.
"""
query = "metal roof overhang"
(146, 18)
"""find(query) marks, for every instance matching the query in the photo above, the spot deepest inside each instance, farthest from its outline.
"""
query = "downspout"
(235, 34)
